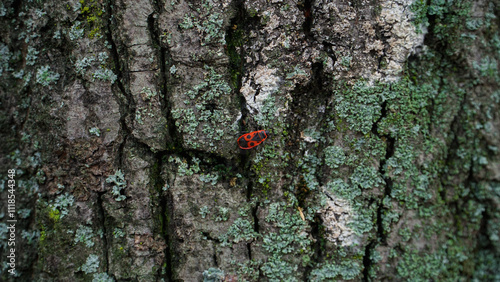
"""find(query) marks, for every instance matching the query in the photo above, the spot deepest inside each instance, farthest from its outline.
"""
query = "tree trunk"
(120, 121)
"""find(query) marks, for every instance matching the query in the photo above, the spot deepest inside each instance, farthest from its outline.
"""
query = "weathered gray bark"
(121, 117)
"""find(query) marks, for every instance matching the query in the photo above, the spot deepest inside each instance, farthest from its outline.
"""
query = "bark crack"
(214, 241)
(389, 152)
(306, 8)
(367, 263)
(164, 214)
(317, 246)
(235, 36)
(125, 101)
(381, 234)
(102, 217)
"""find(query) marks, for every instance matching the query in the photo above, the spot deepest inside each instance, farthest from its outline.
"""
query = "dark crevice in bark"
(315, 94)
(367, 263)
(235, 36)
(254, 211)
(237, 40)
(484, 241)
(121, 147)
(432, 105)
(126, 106)
(307, 10)
(162, 210)
(174, 138)
(165, 214)
(442, 44)
(374, 128)
(249, 191)
(389, 152)
(17, 6)
(301, 192)
(166, 105)
(158, 5)
(215, 242)
(306, 97)
(102, 218)
(239, 28)
(214, 256)
(430, 38)
(321, 88)
(155, 40)
(249, 195)
(328, 48)
(234, 39)
(246, 171)
(317, 246)
(249, 250)
(255, 227)
(381, 234)
(165, 204)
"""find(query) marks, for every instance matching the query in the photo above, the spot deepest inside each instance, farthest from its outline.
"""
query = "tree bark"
(120, 120)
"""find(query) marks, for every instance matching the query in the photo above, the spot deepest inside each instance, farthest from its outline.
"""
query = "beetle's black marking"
(257, 137)
(243, 143)
(263, 135)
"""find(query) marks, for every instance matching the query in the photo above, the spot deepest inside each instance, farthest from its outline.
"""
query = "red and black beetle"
(252, 139)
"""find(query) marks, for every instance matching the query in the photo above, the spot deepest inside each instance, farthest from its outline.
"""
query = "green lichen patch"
(60, 206)
(119, 184)
(94, 67)
(208, 22)
(286, 244)
(347, 270)
(359, 105)
(91, 264)
(203, 113)
(46, 77)
(84, 235)
(240, 231)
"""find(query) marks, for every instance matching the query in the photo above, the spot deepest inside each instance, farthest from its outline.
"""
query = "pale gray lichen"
(397, 19)
(266, 83)
(91, 265)
(95, 131)
(46, 77)
(118, 179)
(84, 234)
(62, 202)
(336, 216)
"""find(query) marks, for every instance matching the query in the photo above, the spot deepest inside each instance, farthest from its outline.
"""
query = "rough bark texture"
(120, 118)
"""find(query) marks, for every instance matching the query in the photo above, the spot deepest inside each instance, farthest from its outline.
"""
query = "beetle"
(252, 139)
